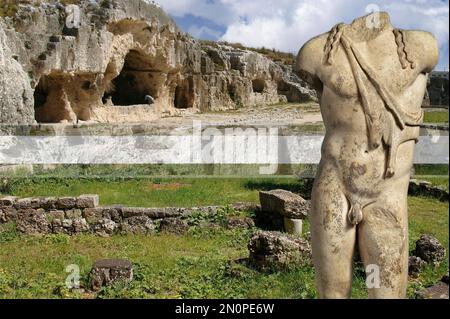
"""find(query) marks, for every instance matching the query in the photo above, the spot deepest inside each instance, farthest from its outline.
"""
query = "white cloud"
(202, 32)
(287, 24)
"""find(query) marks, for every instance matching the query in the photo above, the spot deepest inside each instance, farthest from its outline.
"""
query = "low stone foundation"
(75, 215)
(424, 188)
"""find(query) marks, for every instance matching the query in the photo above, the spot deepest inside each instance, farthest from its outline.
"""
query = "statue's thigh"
(333, 241)
(383, 244)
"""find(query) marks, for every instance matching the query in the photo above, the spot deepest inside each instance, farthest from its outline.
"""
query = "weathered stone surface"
(128, 212)
(113, 213)
(66, 202)
(105, 227)
(416, 265)
(187, 74)
(49, 203)
(28, 203)
(57, 226)
(137, 225)
(87, 201)
(240, 222)
(55, 214)
(67, 225)
(32, 222)
(174, 226)
(16, 94)
(7, 201)
(110, 271)
(153, 213)
(73, 213)
(370, 107)
(80, 225)
(93, 215)
(430, 249)
(7, 214)
(293, 226)
(438, 291)
(271, 251)
(285, 203)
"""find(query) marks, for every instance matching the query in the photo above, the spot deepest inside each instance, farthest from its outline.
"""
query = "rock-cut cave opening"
(258, 85)
(137, 79)
(184, 93)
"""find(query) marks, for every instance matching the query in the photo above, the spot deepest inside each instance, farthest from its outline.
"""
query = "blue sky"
(287, 24)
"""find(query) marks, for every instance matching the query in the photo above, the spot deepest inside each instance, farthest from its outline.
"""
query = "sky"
(286, 25)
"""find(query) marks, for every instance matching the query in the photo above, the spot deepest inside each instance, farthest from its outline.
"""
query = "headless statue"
(371, 80)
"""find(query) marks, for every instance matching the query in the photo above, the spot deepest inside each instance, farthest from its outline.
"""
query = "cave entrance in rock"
(184, 94)
(258, 85)
(136, 80)
(51, 103)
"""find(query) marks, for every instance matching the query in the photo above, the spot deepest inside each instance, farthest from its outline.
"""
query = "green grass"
(157, 192)
(436, 117)
(196, 265)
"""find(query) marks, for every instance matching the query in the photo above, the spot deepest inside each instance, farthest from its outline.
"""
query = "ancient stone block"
(80, 225)
(430, 249)
(285, 203)
(113, 213)
(73, 214)
(128, 212)
(293, 226)
(152, 213)
(110, 271)
(416, 265)
(272, 251)
(32, 222)
(87, 201)
(93, 215)
(105, 227)
(48, 203)
(174, 226)
(57, 226)
(7, 201)
(66, 202)
(27, 203)
(137, 225)
(55, 214)
(67, 225)
(7, 214)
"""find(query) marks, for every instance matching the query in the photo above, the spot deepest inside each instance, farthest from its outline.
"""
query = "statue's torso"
(346, 147)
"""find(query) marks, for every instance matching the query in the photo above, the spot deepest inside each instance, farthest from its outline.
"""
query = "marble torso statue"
(371, 81)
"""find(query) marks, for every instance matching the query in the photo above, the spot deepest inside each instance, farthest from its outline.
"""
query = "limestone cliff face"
(16, 94)
(121, 51)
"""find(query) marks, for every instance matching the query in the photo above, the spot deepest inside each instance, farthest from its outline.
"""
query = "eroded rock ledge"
(123, 50)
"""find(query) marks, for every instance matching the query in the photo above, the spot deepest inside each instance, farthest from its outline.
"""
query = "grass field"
(436, 117)
(196, 265)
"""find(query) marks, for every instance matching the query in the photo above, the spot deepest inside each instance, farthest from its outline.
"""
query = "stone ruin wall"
(82, 214)
(123, 51)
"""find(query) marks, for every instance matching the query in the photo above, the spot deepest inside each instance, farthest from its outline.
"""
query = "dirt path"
(274, 115)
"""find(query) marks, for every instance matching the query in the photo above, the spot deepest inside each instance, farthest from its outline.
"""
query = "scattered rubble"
(110, 271)
(274, 251)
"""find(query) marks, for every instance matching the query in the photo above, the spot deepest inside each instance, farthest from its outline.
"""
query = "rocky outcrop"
(101, 66)
(16, 94)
